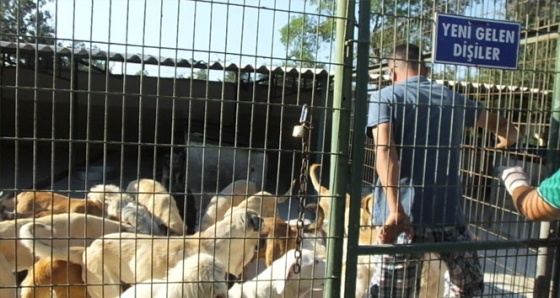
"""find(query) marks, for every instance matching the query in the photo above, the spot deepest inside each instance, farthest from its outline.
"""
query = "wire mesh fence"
(515, 269)
(170, 122)
(148, 147)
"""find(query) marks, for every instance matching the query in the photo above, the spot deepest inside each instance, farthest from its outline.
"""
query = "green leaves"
(303, 37)
(25, 21)
(392, 22)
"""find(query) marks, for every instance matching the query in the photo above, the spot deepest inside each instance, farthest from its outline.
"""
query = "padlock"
(299, 131)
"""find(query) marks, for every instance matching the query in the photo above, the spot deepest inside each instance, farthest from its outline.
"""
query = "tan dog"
(325, 195)
(154, 196)
(431, 282)
(68, 279)
(264, 203)
(230, 196)
(281, 237)
(33, 201)
(129, 258)
(71, 229)
(368, 233)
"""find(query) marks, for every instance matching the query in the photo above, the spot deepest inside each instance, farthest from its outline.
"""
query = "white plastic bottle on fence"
(396, 261)
(390, 264)
(396, 272)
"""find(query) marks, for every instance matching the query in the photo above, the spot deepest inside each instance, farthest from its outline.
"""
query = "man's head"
(406, 61)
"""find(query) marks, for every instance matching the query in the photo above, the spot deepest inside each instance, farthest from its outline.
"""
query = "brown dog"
(281, 237)
(32, 201)
(10, 215)
(67, 282)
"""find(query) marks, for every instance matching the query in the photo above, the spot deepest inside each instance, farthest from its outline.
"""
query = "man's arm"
(387, 167)
(387, 164)
(506, 132)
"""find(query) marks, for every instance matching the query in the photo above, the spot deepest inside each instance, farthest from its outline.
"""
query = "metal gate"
(518, 257)
(196, 96)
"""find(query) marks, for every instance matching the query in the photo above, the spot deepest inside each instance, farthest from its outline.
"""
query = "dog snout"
(257, 222)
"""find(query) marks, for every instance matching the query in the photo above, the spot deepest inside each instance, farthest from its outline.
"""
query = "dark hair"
(408, 53)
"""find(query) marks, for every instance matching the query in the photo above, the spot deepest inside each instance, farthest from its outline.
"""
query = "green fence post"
(358, 141)
(342, 103)
(553, 156)
(553, 163)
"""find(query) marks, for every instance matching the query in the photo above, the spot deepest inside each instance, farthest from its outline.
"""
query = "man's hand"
(508, 138)
(396, 223)
(505, 130)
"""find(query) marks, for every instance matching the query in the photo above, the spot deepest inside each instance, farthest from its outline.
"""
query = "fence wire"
(526, 97)
(146, 147)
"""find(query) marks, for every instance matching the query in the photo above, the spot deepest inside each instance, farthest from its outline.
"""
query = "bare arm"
(506, 132)
(387, 164)
(387, 167)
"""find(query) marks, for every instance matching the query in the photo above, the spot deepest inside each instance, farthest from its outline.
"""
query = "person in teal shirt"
(534, 203)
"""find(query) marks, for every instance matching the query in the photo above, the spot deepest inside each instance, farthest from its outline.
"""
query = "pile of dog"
(132, 243)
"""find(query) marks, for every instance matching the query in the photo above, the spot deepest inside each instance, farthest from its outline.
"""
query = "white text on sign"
(476, 51)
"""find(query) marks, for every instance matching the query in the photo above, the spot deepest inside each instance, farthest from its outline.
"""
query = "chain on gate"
(302, 131)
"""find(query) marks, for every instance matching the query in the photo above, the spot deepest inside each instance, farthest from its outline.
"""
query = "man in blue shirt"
(418, 127)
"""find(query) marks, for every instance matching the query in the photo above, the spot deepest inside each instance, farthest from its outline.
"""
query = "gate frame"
(548, 267)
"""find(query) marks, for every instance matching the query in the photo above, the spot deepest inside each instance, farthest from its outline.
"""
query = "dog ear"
(132, 186)
(366, 209)
(367, 202)
(319, 217)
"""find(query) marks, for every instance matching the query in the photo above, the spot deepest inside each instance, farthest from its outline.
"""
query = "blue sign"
(476, 42)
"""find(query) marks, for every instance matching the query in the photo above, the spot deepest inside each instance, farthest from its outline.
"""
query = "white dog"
(280, 279)
(154, 196)
(229, 197)
(199, 275)
(124, 208)
(130, 258)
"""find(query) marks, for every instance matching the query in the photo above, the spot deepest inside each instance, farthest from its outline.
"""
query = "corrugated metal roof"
(12, 47)
(483, 87)
(467, 86)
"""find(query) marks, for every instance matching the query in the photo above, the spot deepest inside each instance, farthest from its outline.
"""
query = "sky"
(234, 31)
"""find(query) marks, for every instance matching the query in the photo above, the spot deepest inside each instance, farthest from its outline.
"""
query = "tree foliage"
(230, 77)
(89, 64)
(305, 33)
(391, 22)
(536, 58)
(26, 21)
(201, 74)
